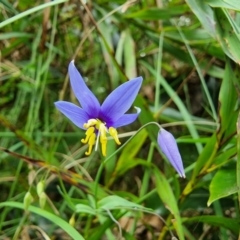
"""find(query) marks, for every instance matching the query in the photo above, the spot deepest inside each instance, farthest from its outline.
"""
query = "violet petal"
(74, 113)
(126, 119)
(120, 100)
(86, 98)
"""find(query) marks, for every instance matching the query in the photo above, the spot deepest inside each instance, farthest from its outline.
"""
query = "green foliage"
(188, 54)
(223, 184)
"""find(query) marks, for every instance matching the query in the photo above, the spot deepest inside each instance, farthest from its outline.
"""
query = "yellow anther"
(90, 122)
(113, 132)
(103, 139)
(91, 142)
(88, 134)
(102, 130)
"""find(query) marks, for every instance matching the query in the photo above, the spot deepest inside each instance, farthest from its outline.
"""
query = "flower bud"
(169, 147)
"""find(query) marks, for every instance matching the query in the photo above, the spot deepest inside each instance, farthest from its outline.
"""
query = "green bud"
(72, 220)
(28, 199)
(40, 188)
(42, 199)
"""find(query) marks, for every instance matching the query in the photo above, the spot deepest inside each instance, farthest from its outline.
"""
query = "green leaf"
(194, 36)
(116, 202)
(71, 231)
(227, 34)
(222, 185)
(228, 223)
(82, 208)
(132, 148)
(4, 36)
(230, 4)
(131, 163)
(9, 6)
(204, 13)
(165, 192)
(223, 158)
(129, 56)
(227, 112)
(158, 13)
(30, 11)
(126, 159)
(203, 162)
(238, 156)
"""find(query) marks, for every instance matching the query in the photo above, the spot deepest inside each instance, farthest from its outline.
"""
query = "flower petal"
(88, 101)
(126, 119)
(120, 100)
(74, 113)
(169, 147)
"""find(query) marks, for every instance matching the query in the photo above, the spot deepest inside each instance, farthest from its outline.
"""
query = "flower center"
(97, 130)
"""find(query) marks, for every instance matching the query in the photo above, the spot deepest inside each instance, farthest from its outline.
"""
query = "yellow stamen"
(113, 132)
(103, 138)
(88, 134)
(103, 142)
(96, 125)
(91, 142)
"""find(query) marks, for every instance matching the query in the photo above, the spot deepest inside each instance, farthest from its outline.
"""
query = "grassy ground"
(188, 55)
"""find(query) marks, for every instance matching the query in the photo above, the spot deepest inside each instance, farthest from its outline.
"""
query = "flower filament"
(97, 132)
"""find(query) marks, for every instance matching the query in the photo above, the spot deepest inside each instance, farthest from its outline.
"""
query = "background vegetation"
(188, 54)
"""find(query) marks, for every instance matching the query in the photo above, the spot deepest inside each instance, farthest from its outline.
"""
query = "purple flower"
(96, 119)
(169, 147)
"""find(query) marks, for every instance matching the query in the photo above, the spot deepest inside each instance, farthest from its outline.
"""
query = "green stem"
(147, 173)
